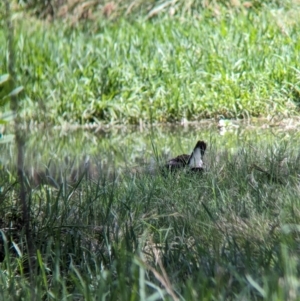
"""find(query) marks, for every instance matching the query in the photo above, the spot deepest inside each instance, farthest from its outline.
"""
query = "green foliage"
(229, 234)
(5, 89)
(235, 64)
(6, 92)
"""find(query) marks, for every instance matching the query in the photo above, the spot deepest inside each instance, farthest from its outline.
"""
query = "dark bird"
(193, 162)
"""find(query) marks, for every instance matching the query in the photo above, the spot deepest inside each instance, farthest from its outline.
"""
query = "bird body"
(193, 162)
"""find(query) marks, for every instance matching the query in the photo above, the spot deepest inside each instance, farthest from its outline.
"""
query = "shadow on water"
(57, 156)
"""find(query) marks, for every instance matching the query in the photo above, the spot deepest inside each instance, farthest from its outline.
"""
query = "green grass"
(231, 234)
(125, 233)
(238, 63)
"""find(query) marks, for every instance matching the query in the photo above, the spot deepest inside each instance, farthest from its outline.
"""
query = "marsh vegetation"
(86, 214)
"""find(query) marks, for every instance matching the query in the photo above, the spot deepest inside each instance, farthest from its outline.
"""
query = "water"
(112, 150)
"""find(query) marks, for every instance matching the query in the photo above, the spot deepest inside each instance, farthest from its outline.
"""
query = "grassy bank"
(233, 62)
(231, 234)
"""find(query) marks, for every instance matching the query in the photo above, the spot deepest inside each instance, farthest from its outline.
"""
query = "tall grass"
(236, 64)
(229, 234)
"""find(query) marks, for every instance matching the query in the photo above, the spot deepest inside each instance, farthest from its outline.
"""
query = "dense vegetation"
(230, 234)
(111, 226)
(195, 64)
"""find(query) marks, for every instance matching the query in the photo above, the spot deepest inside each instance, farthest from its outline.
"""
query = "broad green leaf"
(16, 91)
(4, 78)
